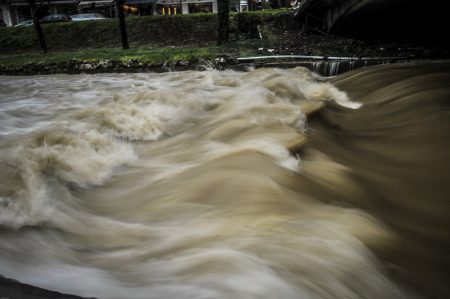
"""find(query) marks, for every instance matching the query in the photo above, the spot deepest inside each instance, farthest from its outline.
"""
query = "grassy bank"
(160, 43)
(144, 55)
(175, 30)
(156, 42)
(108, 60)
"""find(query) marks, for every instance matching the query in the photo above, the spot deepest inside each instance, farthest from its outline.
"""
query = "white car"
(25, 23)
(87, 17)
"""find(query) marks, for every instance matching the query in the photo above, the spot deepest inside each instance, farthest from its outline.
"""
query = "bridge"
(329, 11)
(377, 18)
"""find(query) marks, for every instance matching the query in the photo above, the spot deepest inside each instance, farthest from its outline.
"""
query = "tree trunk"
(223, 8)
(250, 5)
(37, 26)
(123, 28)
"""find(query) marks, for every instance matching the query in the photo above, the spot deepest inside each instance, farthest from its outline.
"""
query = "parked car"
(25, 23)
(87, 17)
(55, 18)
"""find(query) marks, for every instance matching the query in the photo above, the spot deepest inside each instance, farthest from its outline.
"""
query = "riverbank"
(322, 58)
(105, 60)
(167, 44)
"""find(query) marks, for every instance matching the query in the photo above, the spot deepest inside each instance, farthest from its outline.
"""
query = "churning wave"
(260, 184)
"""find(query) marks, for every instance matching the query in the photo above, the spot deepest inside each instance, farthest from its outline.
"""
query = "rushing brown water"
(266, 184)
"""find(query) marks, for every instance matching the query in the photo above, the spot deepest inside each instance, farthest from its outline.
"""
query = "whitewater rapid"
(181, 185)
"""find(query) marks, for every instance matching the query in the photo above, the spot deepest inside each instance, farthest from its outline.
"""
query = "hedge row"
(193, 29)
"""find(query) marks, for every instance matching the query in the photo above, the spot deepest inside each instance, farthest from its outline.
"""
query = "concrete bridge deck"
(377, 18)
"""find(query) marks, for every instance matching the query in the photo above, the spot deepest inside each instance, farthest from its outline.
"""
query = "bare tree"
(223, 24)
(37, 25)
(123, 28)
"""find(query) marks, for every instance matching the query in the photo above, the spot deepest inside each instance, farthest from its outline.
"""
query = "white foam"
(170, 186)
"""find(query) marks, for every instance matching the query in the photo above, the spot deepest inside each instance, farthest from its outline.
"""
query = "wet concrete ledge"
(13, 289)
(323, 65)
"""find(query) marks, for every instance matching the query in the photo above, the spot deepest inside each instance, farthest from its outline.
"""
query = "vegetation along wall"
(192, 29)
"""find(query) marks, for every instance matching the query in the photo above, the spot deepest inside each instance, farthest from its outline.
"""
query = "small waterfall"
(325, 66)
(334, 68)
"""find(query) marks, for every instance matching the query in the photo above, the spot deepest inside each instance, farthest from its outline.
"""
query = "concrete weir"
(11, 289)
(323, 65)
